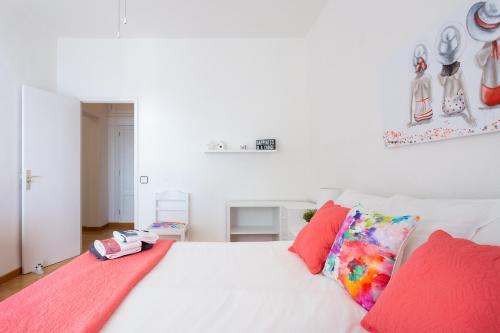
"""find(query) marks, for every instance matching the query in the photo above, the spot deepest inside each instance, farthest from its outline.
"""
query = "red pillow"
(314, 241)
(447, 285)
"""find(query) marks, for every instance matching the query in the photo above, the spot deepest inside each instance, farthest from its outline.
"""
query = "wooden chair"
(172, 207)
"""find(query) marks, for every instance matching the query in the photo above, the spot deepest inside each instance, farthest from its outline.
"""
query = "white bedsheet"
(235, 287)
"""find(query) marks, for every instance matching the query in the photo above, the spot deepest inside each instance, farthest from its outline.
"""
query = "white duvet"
(235, 287)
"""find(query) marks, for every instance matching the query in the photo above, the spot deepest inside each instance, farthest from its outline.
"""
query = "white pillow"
(489, 234)
(459, 218)
(351, 198)
(326, 194)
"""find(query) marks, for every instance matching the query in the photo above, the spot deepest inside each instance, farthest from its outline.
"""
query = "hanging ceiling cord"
(125, 12)
(118, 32)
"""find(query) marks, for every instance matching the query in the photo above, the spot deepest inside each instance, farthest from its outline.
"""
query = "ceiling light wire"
(118, 32)
(125, 12)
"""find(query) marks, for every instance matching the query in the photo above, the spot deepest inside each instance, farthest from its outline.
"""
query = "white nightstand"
(294, 227)
(295, 218)
(265, 220)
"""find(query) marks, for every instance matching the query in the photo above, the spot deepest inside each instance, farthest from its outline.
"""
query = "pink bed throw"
(80, 296)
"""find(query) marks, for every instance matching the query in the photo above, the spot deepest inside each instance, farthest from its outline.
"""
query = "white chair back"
(172, 206)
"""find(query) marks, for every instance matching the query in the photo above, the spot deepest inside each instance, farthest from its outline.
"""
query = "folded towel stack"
(123, 243)
(129, 236)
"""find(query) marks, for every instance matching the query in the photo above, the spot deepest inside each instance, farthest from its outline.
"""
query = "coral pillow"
(315, 240)
(447, 285)
(363, 255)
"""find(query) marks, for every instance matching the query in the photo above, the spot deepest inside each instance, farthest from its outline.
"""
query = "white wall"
(193, 91)
(27, 56)
(95, 165)
(348, 49)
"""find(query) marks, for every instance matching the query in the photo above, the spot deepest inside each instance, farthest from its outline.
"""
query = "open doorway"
(107, 169)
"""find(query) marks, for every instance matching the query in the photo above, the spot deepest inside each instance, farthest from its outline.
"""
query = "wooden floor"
(14, 285)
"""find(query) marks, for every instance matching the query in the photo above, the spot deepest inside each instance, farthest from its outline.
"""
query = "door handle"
(29, 179)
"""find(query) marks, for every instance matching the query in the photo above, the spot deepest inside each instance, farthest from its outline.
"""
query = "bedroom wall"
(347, 52)
(192, 91)
(26, 57)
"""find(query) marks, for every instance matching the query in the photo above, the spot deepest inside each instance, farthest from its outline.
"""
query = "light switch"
(144, 180)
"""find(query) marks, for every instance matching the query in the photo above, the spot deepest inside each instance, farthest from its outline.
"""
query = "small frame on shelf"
(265, 144)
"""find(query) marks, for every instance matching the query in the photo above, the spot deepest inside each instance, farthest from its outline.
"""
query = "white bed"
(261, 287)
(235, 287)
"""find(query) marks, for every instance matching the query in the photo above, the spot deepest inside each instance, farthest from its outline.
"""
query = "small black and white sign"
(265, 144)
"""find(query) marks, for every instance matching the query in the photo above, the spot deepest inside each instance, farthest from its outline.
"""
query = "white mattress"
(235, 287)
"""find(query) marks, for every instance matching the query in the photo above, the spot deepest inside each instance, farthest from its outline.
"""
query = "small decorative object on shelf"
(221, 146)
(243, 147)
(308, 214)
(211, 146)
(265, 144)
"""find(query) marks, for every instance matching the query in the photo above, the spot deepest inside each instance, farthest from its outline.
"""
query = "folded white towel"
(124, 253)
(128, 236)
(112, 247)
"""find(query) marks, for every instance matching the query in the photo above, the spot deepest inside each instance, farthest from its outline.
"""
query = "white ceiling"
(174, 18)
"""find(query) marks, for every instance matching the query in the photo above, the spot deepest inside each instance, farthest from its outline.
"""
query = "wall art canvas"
(453, 79)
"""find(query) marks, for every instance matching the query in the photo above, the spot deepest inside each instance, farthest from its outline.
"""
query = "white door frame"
(135, 102)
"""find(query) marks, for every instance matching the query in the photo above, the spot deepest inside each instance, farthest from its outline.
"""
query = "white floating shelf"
(240, 151)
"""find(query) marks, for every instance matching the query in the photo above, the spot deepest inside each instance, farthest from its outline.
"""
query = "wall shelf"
(240, 151)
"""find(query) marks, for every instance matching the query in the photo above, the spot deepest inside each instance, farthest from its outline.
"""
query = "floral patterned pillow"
(364, 252)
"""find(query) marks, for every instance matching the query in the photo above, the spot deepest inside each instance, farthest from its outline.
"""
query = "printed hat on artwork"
(450, 44)
(421, 52)
(483, 21)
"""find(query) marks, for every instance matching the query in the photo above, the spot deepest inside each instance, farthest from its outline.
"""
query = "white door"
(126, 173)
(51, 229)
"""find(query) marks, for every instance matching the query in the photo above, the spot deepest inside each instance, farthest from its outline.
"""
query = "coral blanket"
(80, 296)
